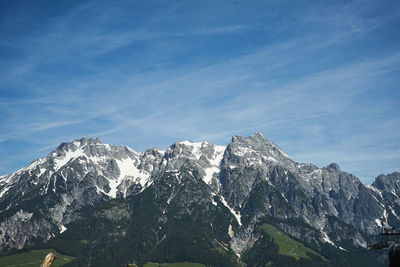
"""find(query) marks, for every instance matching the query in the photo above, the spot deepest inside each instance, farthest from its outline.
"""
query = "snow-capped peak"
(195, 148)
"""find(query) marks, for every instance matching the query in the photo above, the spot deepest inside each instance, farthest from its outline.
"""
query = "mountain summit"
(229, 192)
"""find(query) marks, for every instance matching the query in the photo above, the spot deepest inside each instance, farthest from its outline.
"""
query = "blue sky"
(320, 78)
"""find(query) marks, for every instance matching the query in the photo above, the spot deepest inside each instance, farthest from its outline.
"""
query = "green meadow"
(33, 259)
(288, 246)
(179, 264)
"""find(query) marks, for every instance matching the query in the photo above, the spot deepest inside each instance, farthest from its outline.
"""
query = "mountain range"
(244, 204)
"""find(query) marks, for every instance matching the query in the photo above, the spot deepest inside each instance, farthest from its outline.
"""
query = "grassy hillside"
(275, 248)
(287, 246)
(179, 264)
(33, 259)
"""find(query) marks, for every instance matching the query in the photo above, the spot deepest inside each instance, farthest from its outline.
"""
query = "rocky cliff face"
(251, 179)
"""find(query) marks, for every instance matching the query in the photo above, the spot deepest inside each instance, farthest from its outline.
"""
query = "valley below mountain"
(244, 204)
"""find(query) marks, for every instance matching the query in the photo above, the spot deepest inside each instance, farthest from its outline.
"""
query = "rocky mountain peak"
(258, 136)
(204, 155)
(334, 166)
(88, 140)
(257, 147)
(255, 140)
(79, 143)
(388, 182)
(192, 150)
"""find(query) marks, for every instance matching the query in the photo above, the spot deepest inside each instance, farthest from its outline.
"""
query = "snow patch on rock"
(215, 162)
(234, 213)
(230, 231)
(62, 229)
(61, 161)
(127, 169)
(326, 239)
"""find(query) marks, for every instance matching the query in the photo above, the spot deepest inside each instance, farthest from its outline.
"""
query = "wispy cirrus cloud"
(314, 78)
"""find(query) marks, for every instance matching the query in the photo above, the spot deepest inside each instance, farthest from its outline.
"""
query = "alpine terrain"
(244, 204)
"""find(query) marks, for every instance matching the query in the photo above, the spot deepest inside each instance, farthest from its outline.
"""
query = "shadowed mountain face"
(226, 191)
